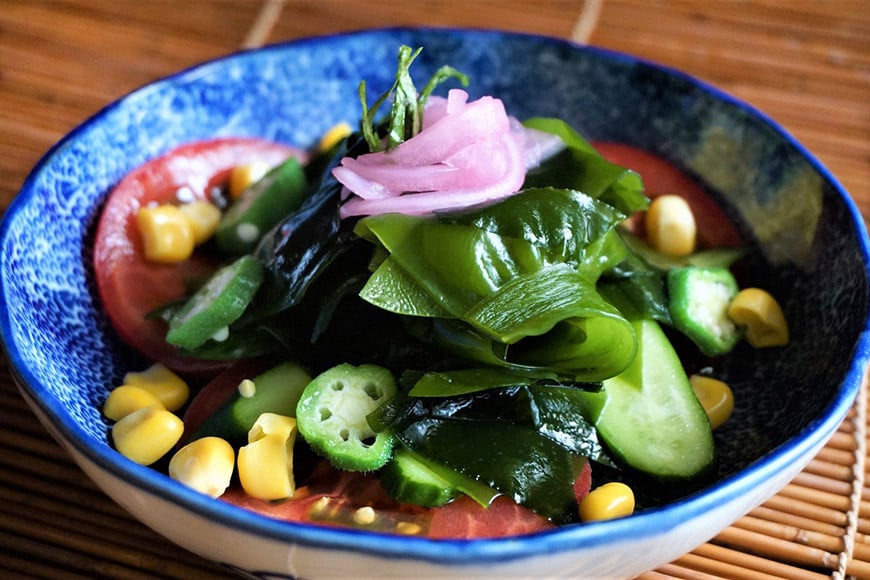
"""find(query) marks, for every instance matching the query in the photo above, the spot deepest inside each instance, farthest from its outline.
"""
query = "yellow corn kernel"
(243, 176)
(266, 462)
(609, 501)
(761, 315)
(169, 388)
(126, 399)
(333, 135)
(670, 226)
(409, 528)
(716, 398)
(167, 236)
(146, 435)
(205, 465)
(204, 218)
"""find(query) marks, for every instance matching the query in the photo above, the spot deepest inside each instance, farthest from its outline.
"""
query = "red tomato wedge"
(660, 177)
(583, 483)
(332, 498)
(464, 518)
(129, 285)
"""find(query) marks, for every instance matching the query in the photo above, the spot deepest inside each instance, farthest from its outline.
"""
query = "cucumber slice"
(332, 416)
(276, 390)
(649, 416)
(261, 207)
(408, 479)
(216, 305)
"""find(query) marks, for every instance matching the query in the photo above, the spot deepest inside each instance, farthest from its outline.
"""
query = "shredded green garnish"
(406, 117)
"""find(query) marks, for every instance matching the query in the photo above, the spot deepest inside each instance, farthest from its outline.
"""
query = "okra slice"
(698, 303)
(219, 303)
(260, 207)
(332, 416)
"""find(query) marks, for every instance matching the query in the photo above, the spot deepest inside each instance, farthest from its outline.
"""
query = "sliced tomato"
(660, 177)
(332, 498)
(583, 483)
(130, 286)
(464, 518)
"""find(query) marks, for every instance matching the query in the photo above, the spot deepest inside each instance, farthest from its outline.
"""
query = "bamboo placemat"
(804, 62)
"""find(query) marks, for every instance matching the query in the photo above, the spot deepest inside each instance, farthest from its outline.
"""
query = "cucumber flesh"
(649, 416)
(408, 479)
(276, 390)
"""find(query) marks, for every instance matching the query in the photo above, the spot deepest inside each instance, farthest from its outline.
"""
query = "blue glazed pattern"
(810, 245)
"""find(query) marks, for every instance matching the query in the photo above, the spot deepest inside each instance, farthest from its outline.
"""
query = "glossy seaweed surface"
(809, 246)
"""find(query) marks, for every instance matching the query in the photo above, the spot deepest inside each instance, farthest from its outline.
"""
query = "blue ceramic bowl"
(809, 245)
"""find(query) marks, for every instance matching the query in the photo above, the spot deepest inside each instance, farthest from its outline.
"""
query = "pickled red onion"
(466, 155)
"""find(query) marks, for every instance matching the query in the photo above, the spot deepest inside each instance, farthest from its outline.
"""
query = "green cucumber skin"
(408, 480)
(262, 206)
(278, 390)
(649, 416)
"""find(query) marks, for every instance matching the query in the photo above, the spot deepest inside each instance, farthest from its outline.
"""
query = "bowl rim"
(644, 524)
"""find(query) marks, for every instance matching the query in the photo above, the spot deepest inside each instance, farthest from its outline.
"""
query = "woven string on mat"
(586, 22)
(859, 422)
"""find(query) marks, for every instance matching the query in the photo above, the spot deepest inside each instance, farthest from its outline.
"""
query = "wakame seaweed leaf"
(520, 440)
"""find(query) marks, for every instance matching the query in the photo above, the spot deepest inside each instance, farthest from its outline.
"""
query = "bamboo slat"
(674, 570)
(775, 548)
(773, 529)
(805, 63)
(12, 565)
(798, 522)
(731, 563)
(829, 470)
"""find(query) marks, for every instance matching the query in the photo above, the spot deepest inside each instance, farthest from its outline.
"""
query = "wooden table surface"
(805, 63)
